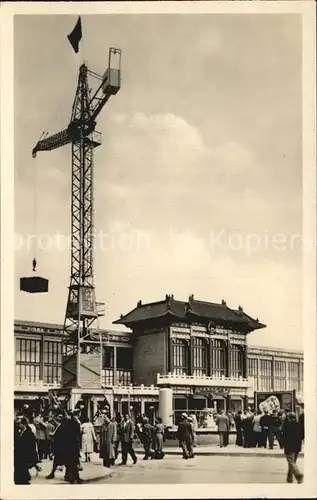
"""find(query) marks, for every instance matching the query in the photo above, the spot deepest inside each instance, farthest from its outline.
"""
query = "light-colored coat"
(222, 422)
(108, 436)
(88, 437)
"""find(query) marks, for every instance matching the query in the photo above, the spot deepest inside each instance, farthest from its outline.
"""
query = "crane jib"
(72, 133)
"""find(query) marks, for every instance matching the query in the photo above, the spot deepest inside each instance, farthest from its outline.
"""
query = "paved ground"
(202, 470)
(173, 469)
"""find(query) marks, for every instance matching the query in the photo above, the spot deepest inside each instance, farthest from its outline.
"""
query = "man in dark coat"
(58, 445)
(238, 423)
(25, 452)
(292, 439)
(147, 438)
(266, 424)
(127, 434)
(275, 430)
(72, 442)
(185, 434)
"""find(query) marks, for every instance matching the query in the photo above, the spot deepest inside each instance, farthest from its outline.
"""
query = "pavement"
(239, 461)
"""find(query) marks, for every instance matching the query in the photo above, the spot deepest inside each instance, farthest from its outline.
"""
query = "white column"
(142, 406)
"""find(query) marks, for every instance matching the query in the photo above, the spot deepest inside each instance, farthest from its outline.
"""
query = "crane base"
(34, 284)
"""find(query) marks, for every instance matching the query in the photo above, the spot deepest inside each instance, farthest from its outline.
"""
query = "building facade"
(199, 350)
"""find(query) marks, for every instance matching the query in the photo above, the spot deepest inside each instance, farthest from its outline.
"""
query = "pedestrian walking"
(58, 445)
(41, 436)
(185, 436)
(147, 438)
(292, 439)
(222, 422)
(25, 452)
(108, 436)
(127, 436)
(158, 434)
(88, 438)
(50, 431)
(72, 445)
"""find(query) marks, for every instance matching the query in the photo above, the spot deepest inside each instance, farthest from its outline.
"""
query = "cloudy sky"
(198, 182)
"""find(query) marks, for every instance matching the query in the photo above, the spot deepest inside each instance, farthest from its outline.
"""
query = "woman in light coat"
(108, 437)
(88, 439)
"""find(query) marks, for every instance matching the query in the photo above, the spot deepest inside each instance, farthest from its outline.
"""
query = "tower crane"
(81, 334)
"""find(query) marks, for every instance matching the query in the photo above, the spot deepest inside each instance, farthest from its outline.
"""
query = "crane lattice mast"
(81, 333)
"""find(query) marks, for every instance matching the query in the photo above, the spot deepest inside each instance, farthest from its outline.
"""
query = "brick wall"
(149, 358)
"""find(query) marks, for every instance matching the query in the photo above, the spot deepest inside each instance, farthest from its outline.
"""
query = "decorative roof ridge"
(222, 304)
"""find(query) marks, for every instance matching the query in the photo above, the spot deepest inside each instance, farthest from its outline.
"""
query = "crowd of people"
(68, 437)
(260, 429)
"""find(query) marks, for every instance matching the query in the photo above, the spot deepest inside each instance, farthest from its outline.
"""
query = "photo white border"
(307, 490)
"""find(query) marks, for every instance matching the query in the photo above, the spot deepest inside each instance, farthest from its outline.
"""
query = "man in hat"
(185, 434)
(292, 439)
(127, 434)
(147, 438)
(25, 452)
(222, 422)
(72, 443)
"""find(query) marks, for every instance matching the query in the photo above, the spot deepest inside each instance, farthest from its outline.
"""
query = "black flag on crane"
(75, 36)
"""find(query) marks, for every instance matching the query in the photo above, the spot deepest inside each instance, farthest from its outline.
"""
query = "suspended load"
(34, 284)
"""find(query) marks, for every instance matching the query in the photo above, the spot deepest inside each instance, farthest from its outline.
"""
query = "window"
(124, 366)
(218, 358)
(52, 374)
(27, 351)
(199, 353)
(180, 356)
(124, 358)
(253, 367)
(280, 375)
(108, 357)
(293, 375)
(27, 373)
(107, 376)
(253, 373)
(52, 357)
(52, 353)
(124, 377)
(237, 360)
(265, 381)
(27, 357)
(301, 376)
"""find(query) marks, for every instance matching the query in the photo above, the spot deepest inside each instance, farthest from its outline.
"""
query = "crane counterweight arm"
(52, 142)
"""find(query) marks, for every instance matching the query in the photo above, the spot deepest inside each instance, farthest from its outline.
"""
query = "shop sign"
(212, 391)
